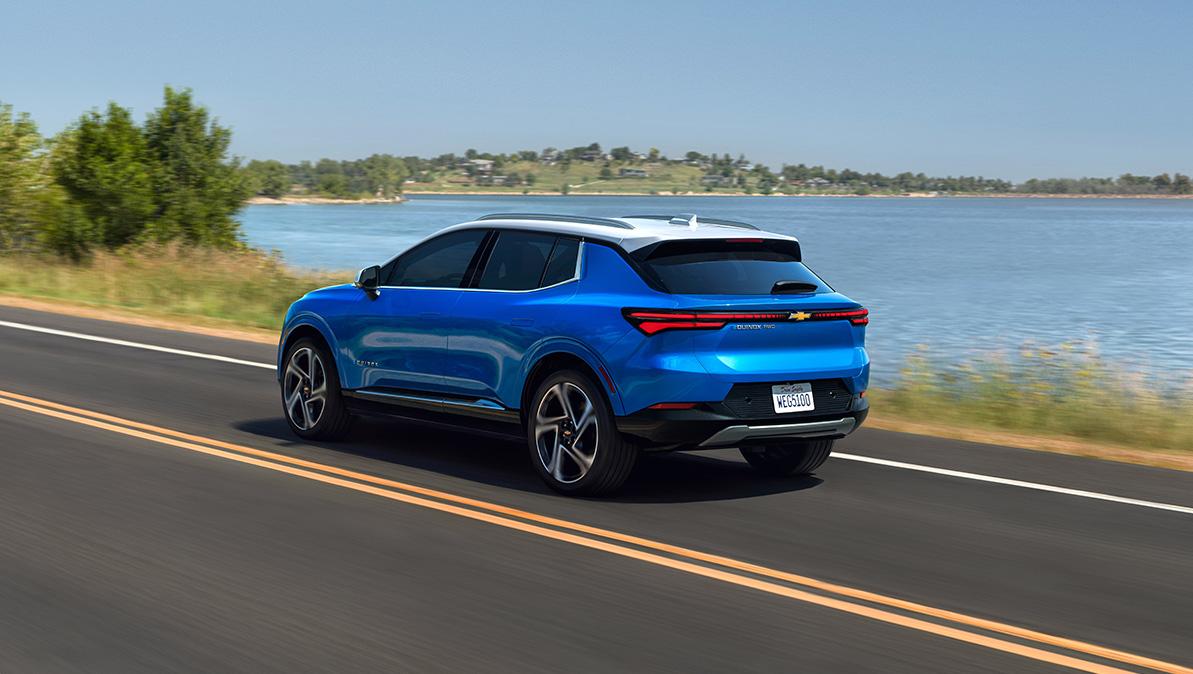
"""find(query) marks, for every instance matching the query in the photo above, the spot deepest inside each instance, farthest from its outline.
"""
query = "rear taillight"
(654, 321)
(855, 316)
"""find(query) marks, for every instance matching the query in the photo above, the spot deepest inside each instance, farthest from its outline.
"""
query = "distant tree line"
(107, 181)
(383, 175)
(380, 175)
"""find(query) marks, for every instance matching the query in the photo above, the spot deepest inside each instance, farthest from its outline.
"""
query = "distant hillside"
(591, 170)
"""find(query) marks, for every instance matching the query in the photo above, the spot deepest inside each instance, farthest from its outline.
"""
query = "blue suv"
(594, 339)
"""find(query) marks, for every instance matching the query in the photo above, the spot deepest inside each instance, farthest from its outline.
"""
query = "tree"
(334, 185)
(621, 153)
(104, 164)
(606, 173)
(1162, 182)
(22, 179)
(197, 187)
(384, 175)
(270, 178)
(1181, 184)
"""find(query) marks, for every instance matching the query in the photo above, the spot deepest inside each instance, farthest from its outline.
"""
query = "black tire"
(795, 458)
(613, 458)
(333, 418)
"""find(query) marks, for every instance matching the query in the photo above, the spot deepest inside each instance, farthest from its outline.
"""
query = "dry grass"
(243, 287)
(1067, 392)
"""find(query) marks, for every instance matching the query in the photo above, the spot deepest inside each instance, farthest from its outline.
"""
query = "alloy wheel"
(305, 388)
(566, 432)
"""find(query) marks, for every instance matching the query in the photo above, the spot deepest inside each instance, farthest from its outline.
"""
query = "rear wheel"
(574, 444)
(795, 458)
(311, 395)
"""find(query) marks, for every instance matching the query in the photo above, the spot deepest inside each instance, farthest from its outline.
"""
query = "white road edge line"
(136, 345)
(1013, 483)
(836, 455)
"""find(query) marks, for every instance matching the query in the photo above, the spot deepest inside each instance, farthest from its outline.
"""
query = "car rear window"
(726, 267)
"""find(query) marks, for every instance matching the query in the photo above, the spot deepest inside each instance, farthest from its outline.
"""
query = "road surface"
(156, 515)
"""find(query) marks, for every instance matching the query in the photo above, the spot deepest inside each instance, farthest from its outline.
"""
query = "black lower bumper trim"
(677, 429)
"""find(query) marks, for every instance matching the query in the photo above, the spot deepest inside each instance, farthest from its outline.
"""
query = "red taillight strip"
(855, 316)
(654, 321)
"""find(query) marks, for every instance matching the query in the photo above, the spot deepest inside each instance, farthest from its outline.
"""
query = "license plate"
(792, 398)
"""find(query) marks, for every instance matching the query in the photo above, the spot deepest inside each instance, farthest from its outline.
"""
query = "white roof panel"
(628, 233)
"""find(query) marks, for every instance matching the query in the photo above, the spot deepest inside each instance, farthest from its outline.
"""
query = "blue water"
(962, 276)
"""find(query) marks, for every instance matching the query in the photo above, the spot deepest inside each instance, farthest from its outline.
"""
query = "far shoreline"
(290, 200)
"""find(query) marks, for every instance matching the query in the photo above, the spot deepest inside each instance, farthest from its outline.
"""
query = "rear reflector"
(654, 321)
(673, 406)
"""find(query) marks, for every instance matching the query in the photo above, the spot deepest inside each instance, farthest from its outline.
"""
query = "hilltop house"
(717, 180)
(632, 173)
(476, 166)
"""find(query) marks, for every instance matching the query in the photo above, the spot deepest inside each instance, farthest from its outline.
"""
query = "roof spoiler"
(691, 220)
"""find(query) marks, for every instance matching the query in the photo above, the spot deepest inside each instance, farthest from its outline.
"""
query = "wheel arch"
(308, 326)
(567, 357)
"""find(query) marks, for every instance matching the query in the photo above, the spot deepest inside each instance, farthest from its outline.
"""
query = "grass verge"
(1066, 397)
(234, 289)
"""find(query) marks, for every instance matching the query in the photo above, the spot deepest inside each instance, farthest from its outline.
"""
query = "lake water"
(962, 276)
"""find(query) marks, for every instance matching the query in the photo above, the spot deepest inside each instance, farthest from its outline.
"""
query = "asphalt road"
(125, 548)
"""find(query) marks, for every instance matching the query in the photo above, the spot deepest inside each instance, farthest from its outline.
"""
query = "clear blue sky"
(1043, 88)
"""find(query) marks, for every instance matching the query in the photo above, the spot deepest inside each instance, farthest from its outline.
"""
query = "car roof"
(628, 232)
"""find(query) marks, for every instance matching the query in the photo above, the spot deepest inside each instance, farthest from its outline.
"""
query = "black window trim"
(470, 269)
(476, 267)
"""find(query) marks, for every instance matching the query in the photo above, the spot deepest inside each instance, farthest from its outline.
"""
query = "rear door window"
(728, 267)
(441, 262)
(517, 261)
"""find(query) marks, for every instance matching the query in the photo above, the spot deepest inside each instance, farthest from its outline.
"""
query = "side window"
(562, 265)
(439, 263)
(517, 261)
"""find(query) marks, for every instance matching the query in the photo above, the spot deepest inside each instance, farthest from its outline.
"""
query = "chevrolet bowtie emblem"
(800, 316)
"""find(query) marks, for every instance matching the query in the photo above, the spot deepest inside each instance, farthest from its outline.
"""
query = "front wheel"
(795, 458)
(311, 396)
(574, 444)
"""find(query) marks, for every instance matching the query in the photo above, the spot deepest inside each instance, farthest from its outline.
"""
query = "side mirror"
(369, 279)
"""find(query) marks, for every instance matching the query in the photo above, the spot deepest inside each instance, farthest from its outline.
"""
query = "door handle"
(522, 322)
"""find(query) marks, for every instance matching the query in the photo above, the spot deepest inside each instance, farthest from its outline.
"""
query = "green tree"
(384, 175)
(334, 185)
(606, 173)
(270, 178)
(621, 153)
(23, 179)
(103, 163)
(1181, 184)
(198, 188)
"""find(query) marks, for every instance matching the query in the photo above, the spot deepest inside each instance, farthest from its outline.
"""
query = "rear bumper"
(706, 429)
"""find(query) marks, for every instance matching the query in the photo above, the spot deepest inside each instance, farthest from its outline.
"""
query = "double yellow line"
(949, 624)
